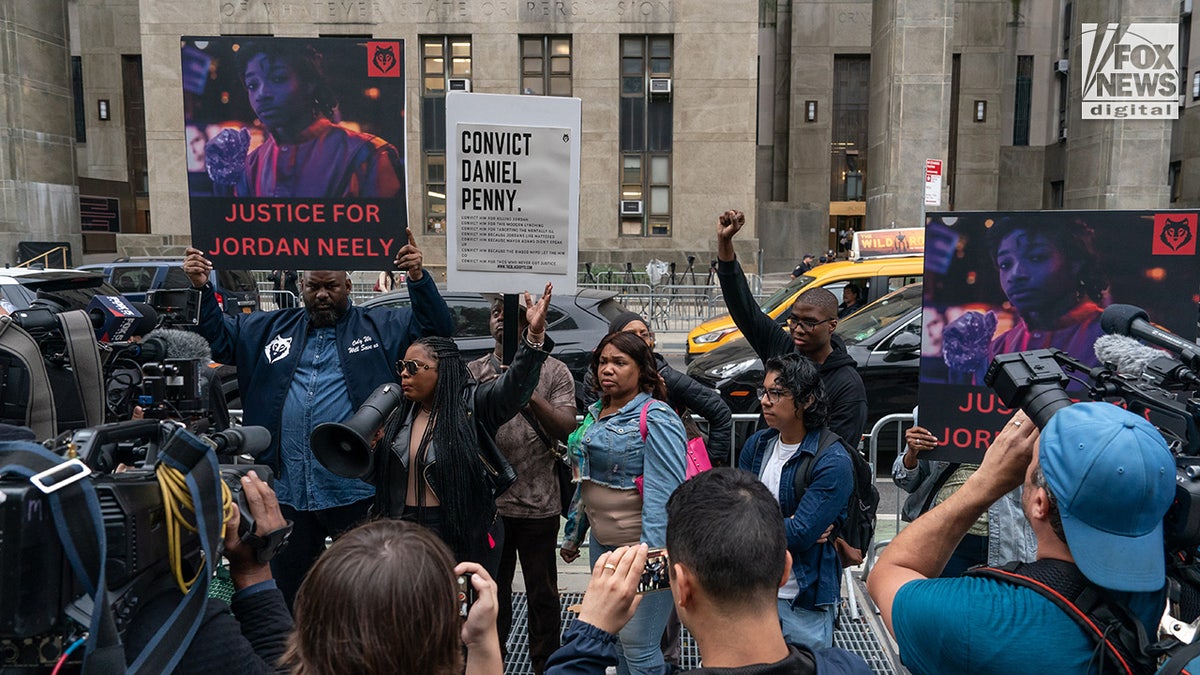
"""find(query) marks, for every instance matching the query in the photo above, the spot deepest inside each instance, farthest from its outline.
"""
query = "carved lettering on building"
(854, 17)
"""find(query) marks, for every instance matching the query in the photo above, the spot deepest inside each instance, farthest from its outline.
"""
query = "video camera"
(42, 602)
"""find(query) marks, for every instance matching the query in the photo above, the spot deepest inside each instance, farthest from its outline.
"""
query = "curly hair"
(451, 430)
(635, 348)
(303, 59)
(1073, 238)
(799, 375)
(387, 588)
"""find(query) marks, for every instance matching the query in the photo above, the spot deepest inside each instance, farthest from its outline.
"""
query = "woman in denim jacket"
(608, 453)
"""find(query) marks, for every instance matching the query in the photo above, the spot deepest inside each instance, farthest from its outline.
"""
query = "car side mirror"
(905, 343)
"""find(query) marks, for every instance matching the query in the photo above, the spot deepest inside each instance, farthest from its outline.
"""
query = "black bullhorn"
(345, 447)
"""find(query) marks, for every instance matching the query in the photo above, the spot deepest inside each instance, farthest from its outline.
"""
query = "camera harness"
(80, 527)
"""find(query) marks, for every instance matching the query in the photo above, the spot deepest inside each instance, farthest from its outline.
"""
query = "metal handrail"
(898, 419)
(57, 249)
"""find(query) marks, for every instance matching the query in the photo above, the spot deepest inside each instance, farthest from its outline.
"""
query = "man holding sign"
(301, 367)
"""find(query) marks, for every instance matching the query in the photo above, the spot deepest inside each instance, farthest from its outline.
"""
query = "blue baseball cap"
(1114, 479)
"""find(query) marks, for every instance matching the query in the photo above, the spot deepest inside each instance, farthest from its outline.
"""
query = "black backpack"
(853, 539)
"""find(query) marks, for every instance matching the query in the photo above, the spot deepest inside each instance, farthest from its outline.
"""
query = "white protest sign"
(512, 192)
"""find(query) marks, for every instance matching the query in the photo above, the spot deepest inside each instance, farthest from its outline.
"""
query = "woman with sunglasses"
(628, 456)
(446, 428)
(796, 411)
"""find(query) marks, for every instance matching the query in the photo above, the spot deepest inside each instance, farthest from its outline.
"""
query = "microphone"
(1132, 358)
(116, 319)
(1134, 322)
(171, 343)
(241, 440)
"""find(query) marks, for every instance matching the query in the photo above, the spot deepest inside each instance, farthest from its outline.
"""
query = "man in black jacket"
(809, 331)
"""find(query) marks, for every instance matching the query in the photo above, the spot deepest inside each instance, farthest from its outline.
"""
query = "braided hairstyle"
(451, 430)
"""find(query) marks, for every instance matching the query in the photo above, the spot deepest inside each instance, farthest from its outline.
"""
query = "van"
(236, 290)
(876, 276)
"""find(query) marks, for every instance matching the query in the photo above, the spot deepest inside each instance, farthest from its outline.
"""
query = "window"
(546, 65)
(851, 96)
(1023, 102)
(77, 93)
(646, 133)
(1173, 183)
(1057, 190)
(443, 58)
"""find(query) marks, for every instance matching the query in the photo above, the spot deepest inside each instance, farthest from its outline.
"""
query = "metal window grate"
(854, 636)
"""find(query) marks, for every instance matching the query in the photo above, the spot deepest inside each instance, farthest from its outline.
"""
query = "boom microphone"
(171, 343)
(116, 319)
(1130, 357)
(1134, 322)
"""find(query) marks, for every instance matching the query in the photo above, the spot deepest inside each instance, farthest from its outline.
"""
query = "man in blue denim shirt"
(795, 408)
(300, 367)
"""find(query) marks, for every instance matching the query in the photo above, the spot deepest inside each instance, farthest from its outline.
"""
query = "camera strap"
(85, 362)
(80, 528)
(40, 413)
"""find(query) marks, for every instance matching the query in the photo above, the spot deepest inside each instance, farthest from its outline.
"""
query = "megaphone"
(345, 447)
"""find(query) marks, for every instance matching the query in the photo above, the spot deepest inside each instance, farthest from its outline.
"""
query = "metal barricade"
(899, 420)
(277, 299)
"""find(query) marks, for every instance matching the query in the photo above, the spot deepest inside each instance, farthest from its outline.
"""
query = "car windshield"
(784, 293)
(879, 314)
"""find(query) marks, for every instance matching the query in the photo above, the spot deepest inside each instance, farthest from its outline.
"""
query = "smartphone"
(654, 575)
(466, 595)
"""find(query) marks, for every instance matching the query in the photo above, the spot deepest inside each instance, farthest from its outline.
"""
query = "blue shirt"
(980, 626)
(318, 394)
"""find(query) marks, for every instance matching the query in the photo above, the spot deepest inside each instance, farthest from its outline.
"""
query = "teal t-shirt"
(981, 626)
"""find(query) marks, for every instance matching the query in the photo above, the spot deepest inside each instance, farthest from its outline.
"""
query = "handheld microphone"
(1130, 357)
(116, 319)
(1134, 322)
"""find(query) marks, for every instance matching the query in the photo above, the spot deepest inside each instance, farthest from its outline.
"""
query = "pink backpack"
(697, 453)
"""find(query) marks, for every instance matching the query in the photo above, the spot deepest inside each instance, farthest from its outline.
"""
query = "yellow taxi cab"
(876, 276)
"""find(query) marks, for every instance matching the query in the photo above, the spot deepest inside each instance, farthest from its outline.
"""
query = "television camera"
(1158, 385)
(44, 602)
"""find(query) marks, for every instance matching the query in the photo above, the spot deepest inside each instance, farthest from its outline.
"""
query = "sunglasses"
(411, 367)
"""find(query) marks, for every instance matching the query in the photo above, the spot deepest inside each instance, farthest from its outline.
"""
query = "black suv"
(236, 290)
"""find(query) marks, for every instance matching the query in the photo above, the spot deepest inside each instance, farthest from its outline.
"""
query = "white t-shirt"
(772, 472)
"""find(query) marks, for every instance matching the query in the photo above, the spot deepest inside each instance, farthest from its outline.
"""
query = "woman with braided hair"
(446, 428)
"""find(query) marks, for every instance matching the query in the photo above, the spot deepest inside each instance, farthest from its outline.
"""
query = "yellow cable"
(176, 500)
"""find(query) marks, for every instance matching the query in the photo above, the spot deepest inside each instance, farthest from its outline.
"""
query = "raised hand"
(409, 258)
(535, 312)
(197, 267)
(730, 223)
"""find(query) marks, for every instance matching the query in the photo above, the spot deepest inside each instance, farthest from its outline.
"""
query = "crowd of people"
(463, 482)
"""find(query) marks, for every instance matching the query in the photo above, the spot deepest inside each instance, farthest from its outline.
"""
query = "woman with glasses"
(807, 468)
(628, 456)
(446, 429)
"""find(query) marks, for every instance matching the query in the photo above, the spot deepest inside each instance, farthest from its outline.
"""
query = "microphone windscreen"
(1126, 355)
(182, 344)
(1118, 319)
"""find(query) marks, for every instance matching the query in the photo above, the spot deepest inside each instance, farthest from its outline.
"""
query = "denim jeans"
(639, 649)
(812, 628)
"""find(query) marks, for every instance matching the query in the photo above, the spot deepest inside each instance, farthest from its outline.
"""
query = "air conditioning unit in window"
(1062, 134)
(460, 84)
(631, 207)
(660, 85)
(1060, 66)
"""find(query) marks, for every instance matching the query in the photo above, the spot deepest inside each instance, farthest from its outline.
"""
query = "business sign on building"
(1130, 71)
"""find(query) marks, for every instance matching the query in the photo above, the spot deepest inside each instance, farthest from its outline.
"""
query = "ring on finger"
(610, 566)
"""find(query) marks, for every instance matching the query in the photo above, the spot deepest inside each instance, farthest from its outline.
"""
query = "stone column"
(1115, 164)
(911, 45)
(38, 197)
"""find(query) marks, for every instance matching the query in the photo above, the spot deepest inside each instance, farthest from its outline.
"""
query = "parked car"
(884, 338)
(575, 323)
(875, 276)
(236, 290)
(72, 289)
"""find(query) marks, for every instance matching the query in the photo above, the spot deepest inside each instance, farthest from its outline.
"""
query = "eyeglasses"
(411, 367)
(806, 324)
(773, 395)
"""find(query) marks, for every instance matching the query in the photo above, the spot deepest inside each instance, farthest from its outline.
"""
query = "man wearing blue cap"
(1097, 484)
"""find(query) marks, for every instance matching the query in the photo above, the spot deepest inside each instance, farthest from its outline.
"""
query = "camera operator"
(252, 638)
(1097, 483)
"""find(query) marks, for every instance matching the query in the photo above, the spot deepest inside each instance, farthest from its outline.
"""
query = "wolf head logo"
(384, 58)
(278, 348)
(1176, 234)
